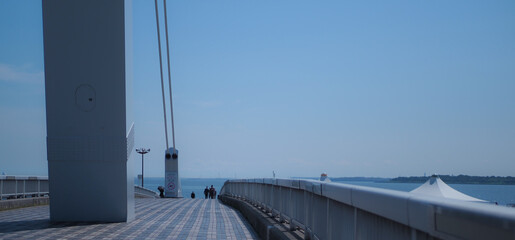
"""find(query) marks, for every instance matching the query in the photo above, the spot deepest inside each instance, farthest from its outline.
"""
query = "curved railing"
(142, 192)
(327, 210)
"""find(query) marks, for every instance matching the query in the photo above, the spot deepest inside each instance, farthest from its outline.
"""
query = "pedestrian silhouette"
(212, 192)
(206, 192)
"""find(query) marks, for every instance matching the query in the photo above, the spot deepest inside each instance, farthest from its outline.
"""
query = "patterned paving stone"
(155, 219)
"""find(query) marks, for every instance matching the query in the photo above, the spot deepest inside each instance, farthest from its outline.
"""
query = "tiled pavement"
(155, 219)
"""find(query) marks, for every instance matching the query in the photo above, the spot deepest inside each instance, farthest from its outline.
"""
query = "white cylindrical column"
(172, 181)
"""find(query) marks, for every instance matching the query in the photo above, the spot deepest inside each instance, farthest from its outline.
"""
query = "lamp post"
(142, 151)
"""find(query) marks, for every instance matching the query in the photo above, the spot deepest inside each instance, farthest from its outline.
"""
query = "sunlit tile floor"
(155, 219)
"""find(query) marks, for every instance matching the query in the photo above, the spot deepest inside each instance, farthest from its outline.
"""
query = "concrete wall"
(24, 202)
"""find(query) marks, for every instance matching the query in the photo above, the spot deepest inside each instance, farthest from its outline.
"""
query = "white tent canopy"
(437, 188)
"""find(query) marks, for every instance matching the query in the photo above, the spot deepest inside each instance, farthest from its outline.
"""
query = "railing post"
(327, 228)
(312, 212)
(282, 219)
(306, 215)
(271, 199)
(413, 234)
(355, 223)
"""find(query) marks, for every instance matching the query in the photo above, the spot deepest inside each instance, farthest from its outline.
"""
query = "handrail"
(142, 192)
(328, 210)
(23, 186)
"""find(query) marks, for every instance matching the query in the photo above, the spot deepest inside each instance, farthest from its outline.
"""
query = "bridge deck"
(155, 219)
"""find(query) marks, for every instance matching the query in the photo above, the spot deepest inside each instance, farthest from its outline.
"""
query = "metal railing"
(13, 187)
(22, 187)
(327, 210)
(142, 192)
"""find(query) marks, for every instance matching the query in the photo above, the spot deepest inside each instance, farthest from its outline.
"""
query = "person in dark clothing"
(161, 190)
(211, 192)
(192, 194)
(206, 192)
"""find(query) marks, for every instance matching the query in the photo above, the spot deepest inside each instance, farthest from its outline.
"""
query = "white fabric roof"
(437, 188)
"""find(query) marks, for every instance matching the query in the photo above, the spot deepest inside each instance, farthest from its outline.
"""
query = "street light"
(142, 151)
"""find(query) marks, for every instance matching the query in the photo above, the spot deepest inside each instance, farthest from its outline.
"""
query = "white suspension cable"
(161, 68)
(169, 73)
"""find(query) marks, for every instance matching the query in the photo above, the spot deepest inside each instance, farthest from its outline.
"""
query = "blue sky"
(369, 88)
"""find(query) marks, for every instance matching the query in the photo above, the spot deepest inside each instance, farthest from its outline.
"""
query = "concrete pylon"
(172, 181)
(88, 85)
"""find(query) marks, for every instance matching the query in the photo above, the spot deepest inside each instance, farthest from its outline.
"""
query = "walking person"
(206, 192)
(211, 192)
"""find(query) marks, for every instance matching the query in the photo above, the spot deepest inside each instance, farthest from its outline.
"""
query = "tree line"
(460, 179)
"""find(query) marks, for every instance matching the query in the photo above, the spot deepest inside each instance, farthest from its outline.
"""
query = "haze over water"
(502, 194)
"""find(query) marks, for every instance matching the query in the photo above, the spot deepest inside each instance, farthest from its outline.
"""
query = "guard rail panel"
(319, 208)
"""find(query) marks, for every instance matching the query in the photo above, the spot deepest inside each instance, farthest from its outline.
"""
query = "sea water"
(502, 194)
(188, 185)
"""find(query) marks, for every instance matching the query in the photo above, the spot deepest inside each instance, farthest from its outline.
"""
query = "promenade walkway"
(155, 219)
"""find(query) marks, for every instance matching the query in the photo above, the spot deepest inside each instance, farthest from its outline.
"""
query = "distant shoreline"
(460, 179)
(360, 179)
